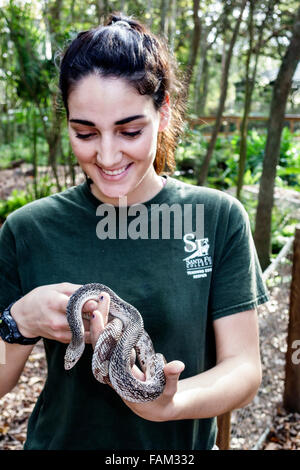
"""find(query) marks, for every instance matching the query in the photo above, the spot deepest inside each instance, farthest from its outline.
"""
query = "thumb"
(172, 372)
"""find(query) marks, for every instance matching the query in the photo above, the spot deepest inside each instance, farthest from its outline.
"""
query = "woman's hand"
(164, 407)
(42, 312)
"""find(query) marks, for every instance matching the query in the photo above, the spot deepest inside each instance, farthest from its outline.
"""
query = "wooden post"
(226, 128)
(223, 437)
(2, 352)
(291, 397)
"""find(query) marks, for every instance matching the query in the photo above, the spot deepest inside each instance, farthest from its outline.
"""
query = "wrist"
(178, 410)
(17, 312)
(190, 401)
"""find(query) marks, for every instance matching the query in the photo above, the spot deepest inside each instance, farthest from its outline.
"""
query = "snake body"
(122, 340)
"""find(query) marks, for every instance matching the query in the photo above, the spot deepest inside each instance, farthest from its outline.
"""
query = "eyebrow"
(117, 123)
(129, 119)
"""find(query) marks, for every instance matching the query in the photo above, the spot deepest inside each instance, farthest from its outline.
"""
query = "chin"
(112, 193)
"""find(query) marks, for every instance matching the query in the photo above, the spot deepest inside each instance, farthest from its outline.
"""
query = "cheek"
(82, 150)
(146, 148)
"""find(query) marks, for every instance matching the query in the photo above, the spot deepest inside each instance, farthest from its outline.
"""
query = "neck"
(141, 193)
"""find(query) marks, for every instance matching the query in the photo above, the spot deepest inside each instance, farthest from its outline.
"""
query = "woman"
(197, 291)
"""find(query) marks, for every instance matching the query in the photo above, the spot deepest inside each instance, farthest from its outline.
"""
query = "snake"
(122, 341)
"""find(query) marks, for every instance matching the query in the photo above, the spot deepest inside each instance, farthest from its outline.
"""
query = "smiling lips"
(116, 172)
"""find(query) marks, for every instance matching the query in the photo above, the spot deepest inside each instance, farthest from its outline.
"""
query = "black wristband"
(9, 330)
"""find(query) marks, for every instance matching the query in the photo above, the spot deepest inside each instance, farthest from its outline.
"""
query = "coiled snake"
(122, 340)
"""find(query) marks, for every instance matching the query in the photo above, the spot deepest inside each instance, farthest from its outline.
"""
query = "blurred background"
(241, 61)
(230, 52)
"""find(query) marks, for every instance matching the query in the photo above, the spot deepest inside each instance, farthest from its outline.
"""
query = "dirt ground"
(20, 177)
(264, 422)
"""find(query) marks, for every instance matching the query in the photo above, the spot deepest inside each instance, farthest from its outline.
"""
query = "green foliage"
(288, 171)
(21, 149)
(224, 164)
(32, 72)
(44, 187)
(224, 170)
(190, 150)
(32, 33)
(14, 201)
(283, 221)
(19, 198)
(283, 227)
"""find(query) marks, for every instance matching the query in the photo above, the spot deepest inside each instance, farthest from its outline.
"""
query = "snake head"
(72, 356)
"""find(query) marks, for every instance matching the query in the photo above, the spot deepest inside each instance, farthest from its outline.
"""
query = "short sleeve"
(10, 289)
(237, 283)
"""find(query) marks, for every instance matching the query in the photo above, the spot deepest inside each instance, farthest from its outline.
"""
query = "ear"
(165, 114)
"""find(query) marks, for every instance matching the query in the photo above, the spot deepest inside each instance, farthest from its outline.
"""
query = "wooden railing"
(227, 120)
(291, 394)
(291, 397)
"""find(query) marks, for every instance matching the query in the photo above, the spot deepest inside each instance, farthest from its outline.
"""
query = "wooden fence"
(291, 395)
(228, 120)
(291, 398)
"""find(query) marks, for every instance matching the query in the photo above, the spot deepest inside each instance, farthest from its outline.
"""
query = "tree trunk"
(202, 80)
(250, 81)
(149, 7)
(54, 141)
(195, 42)
(282, 86)
(53, 136)
(247, 105)
(172, 24)
(201, 105)
(34, 154)
(101, 10)
(224, 86)
(164, 6)
(200, 68)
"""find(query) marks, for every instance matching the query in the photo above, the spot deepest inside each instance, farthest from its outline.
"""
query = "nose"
(109, 153)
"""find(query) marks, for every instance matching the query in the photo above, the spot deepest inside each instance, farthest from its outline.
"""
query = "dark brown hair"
(125, 48)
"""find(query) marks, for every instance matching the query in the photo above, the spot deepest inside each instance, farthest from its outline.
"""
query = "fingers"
(96, 327)
(42, 311)
(103, 306)
(99, 318)
(99, 311)
(172, 372)
(90, 306)
(137, 373)
(58, 327)
(66, 288)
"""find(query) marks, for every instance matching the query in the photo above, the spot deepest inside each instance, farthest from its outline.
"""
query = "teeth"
(114, 172)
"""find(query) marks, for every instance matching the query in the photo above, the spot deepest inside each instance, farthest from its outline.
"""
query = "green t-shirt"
(180, 285)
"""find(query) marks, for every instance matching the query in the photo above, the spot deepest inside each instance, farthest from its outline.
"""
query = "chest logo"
(198, 262)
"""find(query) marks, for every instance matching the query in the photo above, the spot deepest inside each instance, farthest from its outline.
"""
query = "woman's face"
(113, 132)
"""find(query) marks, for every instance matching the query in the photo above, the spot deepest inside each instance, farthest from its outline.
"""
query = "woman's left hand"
(164, 407)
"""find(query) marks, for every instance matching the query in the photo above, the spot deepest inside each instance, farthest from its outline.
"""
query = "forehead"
(113, 98)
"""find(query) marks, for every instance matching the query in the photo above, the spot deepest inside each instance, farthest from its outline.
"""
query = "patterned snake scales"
(122, 340)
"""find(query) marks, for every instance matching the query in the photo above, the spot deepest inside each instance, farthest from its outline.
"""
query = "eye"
(84, 136)
(132, 134)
